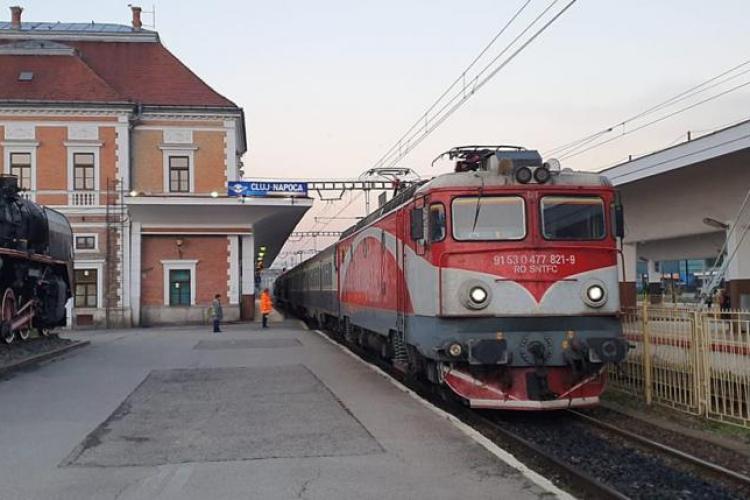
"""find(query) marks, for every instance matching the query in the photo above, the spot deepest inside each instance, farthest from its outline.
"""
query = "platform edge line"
(40, 358)
(475, 435)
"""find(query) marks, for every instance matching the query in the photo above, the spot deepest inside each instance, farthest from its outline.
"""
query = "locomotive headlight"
(524, 175)
(478, 295)
(541, 175)
(474, 294)
(595, 294)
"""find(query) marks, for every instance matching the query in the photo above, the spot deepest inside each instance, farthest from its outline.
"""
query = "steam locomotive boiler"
(36, 264)
(497, 282)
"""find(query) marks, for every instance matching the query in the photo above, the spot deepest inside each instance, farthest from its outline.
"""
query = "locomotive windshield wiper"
(479, 205)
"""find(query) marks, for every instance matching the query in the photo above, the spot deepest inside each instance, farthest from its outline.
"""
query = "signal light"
(523, 175)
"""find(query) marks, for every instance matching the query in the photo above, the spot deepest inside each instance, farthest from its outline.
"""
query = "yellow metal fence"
(696, 361)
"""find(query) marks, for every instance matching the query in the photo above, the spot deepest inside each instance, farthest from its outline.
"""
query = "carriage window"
(489, 218)
(573, 218)
(437, 222)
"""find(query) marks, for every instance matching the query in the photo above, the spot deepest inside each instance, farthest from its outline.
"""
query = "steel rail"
(580, 481)
(664, 448)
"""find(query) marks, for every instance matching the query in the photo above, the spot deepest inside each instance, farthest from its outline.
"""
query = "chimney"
(137, 24)
(15, 17)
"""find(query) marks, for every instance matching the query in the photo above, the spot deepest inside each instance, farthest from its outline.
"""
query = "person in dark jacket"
(217, 314)
(726, 301)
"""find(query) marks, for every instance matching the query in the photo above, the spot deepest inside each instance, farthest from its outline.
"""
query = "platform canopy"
(682, 203)
(270, 220)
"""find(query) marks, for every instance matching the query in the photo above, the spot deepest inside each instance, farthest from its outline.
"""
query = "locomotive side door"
(411, 232)
(402, 220)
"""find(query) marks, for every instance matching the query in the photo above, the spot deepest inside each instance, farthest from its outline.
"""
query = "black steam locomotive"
(36, 264)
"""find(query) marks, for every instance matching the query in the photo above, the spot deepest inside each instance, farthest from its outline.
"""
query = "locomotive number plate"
(534, 263)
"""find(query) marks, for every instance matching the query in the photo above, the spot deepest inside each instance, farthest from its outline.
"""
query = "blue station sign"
(267, 188)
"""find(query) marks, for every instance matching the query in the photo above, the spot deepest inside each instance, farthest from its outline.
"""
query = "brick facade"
(88, 98)
(211, 276)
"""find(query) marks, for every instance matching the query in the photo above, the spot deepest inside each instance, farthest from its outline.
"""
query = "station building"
(103, 123)
(681, 217)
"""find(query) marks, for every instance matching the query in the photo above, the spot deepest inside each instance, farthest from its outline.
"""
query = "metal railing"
(696, 361)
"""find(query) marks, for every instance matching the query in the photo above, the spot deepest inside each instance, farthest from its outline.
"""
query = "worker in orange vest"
(266, 306)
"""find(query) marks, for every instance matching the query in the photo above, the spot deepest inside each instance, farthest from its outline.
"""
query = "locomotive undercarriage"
(32, 296)
(520, 370)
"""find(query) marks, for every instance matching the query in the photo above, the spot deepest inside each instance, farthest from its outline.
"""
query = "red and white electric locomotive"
(498, 281)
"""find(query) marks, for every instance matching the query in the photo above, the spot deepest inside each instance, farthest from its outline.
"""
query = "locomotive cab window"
(489, 218)
(437, 222)
(573, 218)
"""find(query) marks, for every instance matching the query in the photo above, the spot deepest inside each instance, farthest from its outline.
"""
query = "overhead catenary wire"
(577, 152)
(475, 84)
(681, 96)
(431, 119)
(397, 145)
(461, 77)
(682, 138)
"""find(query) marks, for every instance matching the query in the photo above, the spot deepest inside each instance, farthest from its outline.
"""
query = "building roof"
(104, 68)
(149, 74)
(92, 27)
(52, 78)
(722, 142)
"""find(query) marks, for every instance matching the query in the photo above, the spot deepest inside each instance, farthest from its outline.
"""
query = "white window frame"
(74, 149)
(86, 250)
(180, 265)
(98, 265)
(186, 150)
(29, 148)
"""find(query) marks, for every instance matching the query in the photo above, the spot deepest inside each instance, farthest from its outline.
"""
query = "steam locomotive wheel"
(23, 333)
(44, 332)
(8, 309)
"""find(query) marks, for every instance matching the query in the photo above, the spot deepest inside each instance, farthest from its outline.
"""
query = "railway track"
(625, 463)
(707, 466)
(586, 455)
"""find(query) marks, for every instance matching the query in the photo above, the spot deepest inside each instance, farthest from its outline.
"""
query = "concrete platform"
(279, 413)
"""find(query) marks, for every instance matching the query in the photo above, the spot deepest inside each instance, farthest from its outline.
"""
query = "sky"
(328, 86)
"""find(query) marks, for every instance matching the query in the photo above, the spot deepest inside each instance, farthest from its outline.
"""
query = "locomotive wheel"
(8, 309)
(23, 333)
(43, 332)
